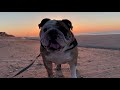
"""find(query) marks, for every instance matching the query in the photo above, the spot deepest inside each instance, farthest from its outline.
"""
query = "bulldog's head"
(55, 34)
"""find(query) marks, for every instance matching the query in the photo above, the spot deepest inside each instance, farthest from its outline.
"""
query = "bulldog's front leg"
(48, 66)
(73, 70)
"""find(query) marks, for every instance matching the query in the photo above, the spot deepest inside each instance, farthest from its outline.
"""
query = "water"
(102, 33)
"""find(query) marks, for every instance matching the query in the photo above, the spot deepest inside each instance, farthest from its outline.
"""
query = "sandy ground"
(16, 54)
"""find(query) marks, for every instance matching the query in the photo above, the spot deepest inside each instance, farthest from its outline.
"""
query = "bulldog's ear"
(43, 22)
(68, 23)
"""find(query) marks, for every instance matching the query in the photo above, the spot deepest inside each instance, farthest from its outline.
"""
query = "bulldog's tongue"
(55, 46)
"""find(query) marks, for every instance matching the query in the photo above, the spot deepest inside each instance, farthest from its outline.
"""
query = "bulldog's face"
(55, 34)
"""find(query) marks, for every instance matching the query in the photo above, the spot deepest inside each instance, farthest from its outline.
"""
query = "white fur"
(73, 71)
(59, 57)
(50, 24)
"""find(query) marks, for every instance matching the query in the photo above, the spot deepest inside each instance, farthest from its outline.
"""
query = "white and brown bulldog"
(58, 45)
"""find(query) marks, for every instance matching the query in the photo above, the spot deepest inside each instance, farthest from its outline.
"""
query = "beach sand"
(17, 53)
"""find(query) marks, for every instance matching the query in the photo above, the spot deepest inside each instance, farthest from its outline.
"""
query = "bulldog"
(58, 45)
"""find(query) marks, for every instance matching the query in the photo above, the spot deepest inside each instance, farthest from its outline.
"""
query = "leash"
(26, 66)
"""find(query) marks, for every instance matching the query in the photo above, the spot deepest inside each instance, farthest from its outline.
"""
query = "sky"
(23, 24)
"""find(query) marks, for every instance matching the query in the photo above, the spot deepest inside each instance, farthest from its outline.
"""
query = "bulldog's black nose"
(53, 34)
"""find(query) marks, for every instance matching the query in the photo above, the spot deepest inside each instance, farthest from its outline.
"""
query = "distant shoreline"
(99, 47)
(107, 33)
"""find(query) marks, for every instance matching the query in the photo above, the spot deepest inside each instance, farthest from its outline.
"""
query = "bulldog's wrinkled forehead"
(50, 22)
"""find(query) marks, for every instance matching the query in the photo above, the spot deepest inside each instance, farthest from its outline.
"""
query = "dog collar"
(72, 45)
(42, 46)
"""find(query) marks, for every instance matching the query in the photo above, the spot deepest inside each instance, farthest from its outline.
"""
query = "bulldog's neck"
(72, 45)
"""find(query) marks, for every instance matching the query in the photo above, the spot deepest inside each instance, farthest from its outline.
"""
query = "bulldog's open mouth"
(54, 46)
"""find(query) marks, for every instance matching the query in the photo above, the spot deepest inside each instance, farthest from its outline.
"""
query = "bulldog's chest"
(59, 57)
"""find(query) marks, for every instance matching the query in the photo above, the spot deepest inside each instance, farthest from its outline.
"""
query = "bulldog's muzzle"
(53, 37)
(53, 40)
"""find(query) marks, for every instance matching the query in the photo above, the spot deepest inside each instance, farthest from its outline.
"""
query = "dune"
(4, 34)
(17, 53)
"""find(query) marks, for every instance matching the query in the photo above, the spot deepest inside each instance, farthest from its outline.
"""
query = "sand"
(17, 53)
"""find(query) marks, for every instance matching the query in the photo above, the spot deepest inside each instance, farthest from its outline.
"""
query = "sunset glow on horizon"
(23, 24)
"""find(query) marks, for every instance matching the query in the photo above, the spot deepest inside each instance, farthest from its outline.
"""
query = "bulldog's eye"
(45, 29)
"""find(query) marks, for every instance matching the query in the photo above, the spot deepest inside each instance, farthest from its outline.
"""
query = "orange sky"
(26, 23)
